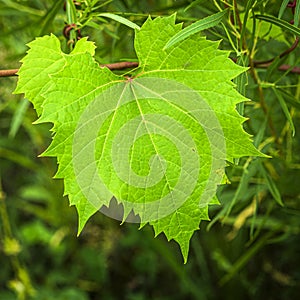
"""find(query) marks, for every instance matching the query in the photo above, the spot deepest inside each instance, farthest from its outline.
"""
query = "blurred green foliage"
(250, 249)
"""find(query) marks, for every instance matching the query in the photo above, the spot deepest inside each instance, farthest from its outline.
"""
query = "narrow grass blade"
(194, 3)
(261, 133)
(285, 109)
(23, 8)
(249, 6)
(120, 20)
(280, 23)
(200, 25)
(290, 99)
(18, 118)
(297, 14)
(49, 17)
(271, 185)
(71, 12)
(18, 159)
(242, 189)
(244, 259)
(274, 66)
(282, 8)
(94, 25)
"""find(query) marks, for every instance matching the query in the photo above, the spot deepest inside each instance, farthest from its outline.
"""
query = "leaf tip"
(185, 252)
(81, 224)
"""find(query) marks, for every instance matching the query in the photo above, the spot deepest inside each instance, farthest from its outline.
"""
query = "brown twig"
(287, 67)
(7, 73)
(284, 53)
(295, 70)
(121, 65)
(114, 66)
(129, 64)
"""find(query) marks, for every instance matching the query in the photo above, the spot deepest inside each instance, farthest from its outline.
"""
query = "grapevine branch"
(284, 53)
(114, 66)
(128, 64)
(7, 73)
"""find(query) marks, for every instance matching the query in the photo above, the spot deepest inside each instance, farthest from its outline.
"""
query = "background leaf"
(282, 8)
(120, 20)
(281, 23)
(198, 26)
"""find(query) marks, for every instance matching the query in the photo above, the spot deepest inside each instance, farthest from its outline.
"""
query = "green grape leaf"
(157, 142)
